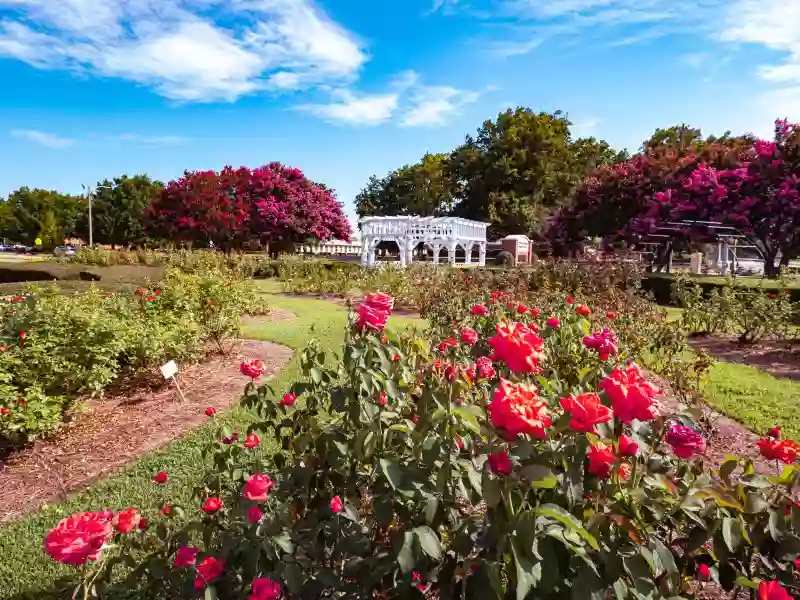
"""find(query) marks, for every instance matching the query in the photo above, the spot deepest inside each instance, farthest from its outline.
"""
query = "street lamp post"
(89, 199)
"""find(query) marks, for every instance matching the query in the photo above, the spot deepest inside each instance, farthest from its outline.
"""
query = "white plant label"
(169, 369)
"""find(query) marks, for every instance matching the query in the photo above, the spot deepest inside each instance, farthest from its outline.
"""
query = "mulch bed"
(115, 430)
(274, 315)
(781, 359)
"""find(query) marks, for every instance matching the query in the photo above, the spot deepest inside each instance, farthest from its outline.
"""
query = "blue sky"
(346, 88)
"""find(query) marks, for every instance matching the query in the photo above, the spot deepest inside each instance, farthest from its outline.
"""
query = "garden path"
(115, 430)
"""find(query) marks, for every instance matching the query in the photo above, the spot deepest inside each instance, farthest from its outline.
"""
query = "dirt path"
(780, 359)
(120, 428)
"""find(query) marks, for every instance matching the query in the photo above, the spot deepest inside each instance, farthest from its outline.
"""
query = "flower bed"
(515, 451)
(56, 348)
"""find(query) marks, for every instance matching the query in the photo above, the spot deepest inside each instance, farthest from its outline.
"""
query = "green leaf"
(316, 375)
(755, 503)
(539, 476)
(391, 469)
(728, 467)
(284, 542)
(528, 574)
(431, 508)
(405, 557)
(665, 558)
(568, 520)
(491, 490)
(429, 541)
(731, 533)
(587, 585)
(211, 593)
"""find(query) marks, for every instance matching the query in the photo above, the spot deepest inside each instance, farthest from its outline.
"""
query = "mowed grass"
(27, 573)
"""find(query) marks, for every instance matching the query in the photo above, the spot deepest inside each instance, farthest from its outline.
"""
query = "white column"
(410, 245)
(482, 254)
(468, 253)
(436, 249)
(401, 246)
(451, 252)
(365, 240)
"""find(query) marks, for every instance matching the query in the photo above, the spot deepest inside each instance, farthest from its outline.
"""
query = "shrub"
(55, 348)
(419, 466)
(504, 259)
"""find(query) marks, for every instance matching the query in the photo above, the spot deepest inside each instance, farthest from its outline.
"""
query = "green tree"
(515, 171)
(423, 189)
(117, 210)
(31, 212)
(590, 153)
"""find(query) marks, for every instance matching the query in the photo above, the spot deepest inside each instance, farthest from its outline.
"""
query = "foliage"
(55, 348)
(504, 259)
(35, 213)
(424, 189)
(270, 204)
(117, 207)
(404, 470)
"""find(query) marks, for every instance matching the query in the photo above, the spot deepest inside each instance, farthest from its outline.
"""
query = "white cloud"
(48, 140)
(177, 48)
(153, 140)
(507, 49)
(355, 110)
(433, 105)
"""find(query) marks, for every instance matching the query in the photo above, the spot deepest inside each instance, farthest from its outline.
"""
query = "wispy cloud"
(506, 49)
(153, 140)
(43, 138)
(351, 109)
(175, 47)
(434, 105)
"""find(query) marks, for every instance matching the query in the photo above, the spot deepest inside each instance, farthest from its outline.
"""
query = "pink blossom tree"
(272, 204)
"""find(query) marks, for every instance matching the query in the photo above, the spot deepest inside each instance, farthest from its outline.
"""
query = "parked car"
(64, 251)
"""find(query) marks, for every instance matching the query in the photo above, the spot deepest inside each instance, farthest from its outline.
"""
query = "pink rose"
(258, 487)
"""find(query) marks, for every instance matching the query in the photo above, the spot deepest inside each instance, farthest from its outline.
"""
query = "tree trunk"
(771, 270)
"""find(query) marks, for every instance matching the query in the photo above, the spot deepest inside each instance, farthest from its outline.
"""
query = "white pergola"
(434, 232)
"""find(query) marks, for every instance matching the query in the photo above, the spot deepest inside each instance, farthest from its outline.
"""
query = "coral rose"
(583, 310)
(586, 411)
(186, 557)
(160, 477)
(251, 441)
(265, 589)
(685, 441)
(517, 409)
(631, 395)
(126, 520)
(211, 505)
(601, 460)
(79, 538)
(785, 451)
(500, 463)
(258, 487)
(208, 570)
(210, 411)
(252, 369)
(468, 335)
(380, 301)
(518, 347)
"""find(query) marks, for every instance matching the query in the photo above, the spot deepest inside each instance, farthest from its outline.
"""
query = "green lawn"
(26, 572)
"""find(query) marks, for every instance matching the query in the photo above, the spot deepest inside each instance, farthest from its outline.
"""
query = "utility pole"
(88, 194)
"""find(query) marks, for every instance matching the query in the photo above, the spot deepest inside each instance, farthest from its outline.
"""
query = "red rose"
(384, 339)
(772, 295)
(254, 514)
(785, 451)
(160, 477)
(22, 336)
(448, 343)
(383, 399)
(460, 443)
(479, 310)
(451, 373)
(415, 419)
(210, 411)
(208, 570)
(416, 580)
(336, 505)
(570, 299)
(624, 471)
(252, 369)
(373, 312)
(772, 590)
(380, 301)
(126, 520)
(627, 447)
(485, 368)
(631, 394)
(586, 410)
(703, 572)
(143, 523)
(553, 322)
(534, 312)
(211, 505)
(522, 309)
(611, 315)
(774, 432)
(500, 463)
(685, 441)
(265, 589)
(251, 441)
(601, 460)
(258, 487)
(139, 291)
(519, 347)
(4, 411)
(583, 310)
(604, 342)
(79, 538)
(518, 409)
(468, 335)
(166, 510)
(288, 399)
(186, 557)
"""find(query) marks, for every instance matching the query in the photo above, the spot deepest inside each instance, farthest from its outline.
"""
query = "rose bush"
(56, 348)
(552, 473)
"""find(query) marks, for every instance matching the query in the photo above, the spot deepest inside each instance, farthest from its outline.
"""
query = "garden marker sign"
(169, 370)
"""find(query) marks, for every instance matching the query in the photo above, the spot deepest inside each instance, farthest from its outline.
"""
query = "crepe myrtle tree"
(271, 204)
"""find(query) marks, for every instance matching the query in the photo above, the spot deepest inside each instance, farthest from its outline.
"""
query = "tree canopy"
(267, 205)
(28, 214)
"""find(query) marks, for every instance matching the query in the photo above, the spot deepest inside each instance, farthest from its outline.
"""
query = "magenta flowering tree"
(272, 204)
(760, 197)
